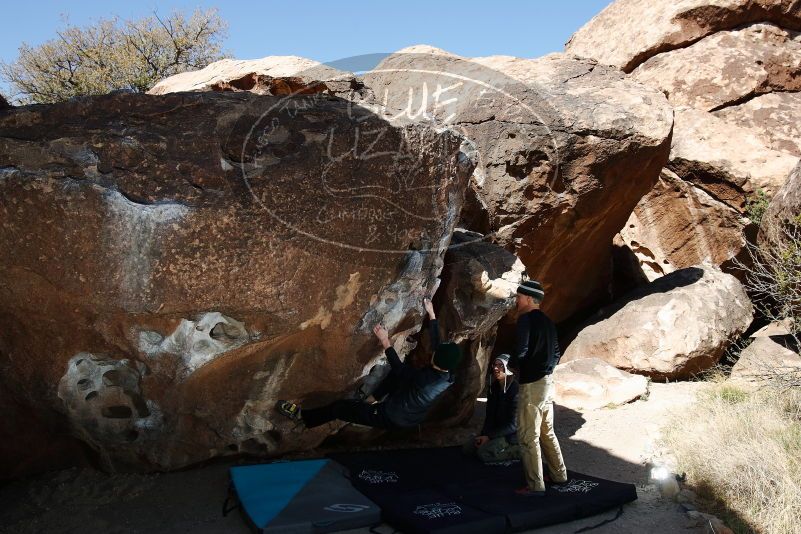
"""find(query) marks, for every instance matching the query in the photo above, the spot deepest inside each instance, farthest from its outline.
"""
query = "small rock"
(713, 524)
(668, 487)
(591, 383)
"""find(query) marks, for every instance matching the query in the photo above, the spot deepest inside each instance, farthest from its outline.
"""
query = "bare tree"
(111, 55)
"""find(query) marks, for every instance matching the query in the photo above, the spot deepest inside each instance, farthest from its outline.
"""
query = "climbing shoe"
(288, 409)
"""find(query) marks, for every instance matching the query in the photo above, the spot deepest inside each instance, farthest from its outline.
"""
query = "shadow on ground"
(84, 500)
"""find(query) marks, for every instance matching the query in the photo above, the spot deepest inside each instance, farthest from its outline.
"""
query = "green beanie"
(447, 356)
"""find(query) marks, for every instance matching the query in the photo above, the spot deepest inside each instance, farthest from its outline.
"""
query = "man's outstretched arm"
(392, 355)
(433, 326)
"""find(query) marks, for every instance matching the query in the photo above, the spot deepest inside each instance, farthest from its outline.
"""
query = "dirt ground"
(614, 443)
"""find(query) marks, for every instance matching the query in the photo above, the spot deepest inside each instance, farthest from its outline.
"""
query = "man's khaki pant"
(535, 430)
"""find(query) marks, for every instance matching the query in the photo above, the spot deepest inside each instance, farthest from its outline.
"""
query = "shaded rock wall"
(180, 262)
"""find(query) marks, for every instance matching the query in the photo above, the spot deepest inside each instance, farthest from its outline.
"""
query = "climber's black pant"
(353, 411)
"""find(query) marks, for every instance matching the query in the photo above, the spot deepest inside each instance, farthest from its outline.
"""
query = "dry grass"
(742, 450)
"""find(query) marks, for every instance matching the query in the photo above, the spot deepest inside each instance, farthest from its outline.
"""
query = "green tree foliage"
(111, 54)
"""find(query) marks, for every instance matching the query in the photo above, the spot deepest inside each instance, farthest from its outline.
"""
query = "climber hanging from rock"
(403, 397)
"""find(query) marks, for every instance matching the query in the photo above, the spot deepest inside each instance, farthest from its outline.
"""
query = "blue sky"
(327, 31)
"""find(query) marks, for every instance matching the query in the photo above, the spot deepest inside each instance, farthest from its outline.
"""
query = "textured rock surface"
(774, 116)
(695, 213)
(628, 32)
(479, 284)
(763, 359)
(786, 203)
(677, 325)
(677, 225)
(271, 75)
(170, 278)
(591, 383)
(567, 148)
(740, 60)
(780, 227)
(728, 162)
(727, 68)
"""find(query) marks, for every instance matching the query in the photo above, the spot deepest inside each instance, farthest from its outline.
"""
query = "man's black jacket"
(501, 410)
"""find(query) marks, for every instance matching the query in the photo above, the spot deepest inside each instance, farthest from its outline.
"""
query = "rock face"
(727, 67)
(271, 75)
(728, 162)
(566, 148)
(677, 225)
(665, 26)
(4, 103)
(786, 204)
(781, 226)
(696, 212)
(739, 60)
(591, 383)
(167, 280)
(675, 326)
(479, 284)
(773, 116)
(763, 359)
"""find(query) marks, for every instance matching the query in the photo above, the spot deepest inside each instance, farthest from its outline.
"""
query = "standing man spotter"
(536, 357)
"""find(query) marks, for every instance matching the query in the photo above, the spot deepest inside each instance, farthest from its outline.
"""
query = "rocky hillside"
(733, 71)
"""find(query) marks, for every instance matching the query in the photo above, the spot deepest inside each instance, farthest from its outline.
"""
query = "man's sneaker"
(525, 491)
(288, 409)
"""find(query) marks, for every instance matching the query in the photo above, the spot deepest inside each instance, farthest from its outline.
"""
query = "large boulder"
(672, 328)
(628, 32)
(739, 60)
(696, 212)
(678, 225)
(778, 259)
(727, 68)
(567, 148)
(784, 207)
(177, 263)
(271, 75)
(591, 383)
(729, 162)
(773, 116)
(766, 359)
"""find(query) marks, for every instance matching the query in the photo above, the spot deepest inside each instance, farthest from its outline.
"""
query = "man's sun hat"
(532, 288)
